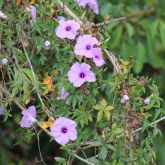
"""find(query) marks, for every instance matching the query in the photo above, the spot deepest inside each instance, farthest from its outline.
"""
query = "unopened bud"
(147, 101)
(4, 61)
(124, 99)
(47, 45)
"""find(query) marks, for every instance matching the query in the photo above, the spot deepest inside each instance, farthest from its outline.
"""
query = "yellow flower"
(49, 123)
(48, 82)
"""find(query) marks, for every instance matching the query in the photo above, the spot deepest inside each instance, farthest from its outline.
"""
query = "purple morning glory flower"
(92, 4)
(64, 130)
(84, 45)
(1, 111)
(80, 73)
(32, 10)
(67, 29)
(97, 57)
(29, 117)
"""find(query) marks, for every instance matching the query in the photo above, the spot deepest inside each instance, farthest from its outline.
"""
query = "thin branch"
(135, 15)
(17, 102)
(34, 78)
(69, 12)
(153, 123)
(39, 148)
(82, 159)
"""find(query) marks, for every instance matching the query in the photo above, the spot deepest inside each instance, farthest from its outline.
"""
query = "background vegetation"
(136, 31)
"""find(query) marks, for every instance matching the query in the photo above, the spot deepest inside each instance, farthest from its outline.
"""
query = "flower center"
(82, 75)
(97, 57)
(64, 130)
(88, 47)
(68, 28)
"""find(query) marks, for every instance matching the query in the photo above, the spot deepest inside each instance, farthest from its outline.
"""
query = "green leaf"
(158, 112)
(154, 28)
(153, 57)
(151, 104)
(60, 160)
(98, 107)
(107, 115)
(162, 32)
(130, 29)
(140, 58)
(111, 147)
(114, 125)
(28, 73)
(116, 36)
(103, 102)
(118, 131)
(99, 116)
(109, 108)
(145, 125)
(1, 3)
(103, 153)
(96, 143)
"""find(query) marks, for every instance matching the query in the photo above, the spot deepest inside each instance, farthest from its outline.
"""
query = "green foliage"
(105, 126)
(140, 34)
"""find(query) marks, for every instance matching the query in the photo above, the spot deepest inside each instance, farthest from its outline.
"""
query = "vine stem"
(82, 159)
(69, 12)
(39, 148)
(153, 123)
(12, 98)
(33, 75)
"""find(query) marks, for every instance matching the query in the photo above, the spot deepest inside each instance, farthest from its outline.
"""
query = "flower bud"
(4, 61)
(124, 99)
(47, 45)
(147, 101)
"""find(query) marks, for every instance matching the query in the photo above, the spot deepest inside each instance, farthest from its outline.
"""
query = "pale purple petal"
(64, 94)
(126, 97)
(32, 10)
(1, 111)
(84, 45)
(67, 29)
(97, 57)
(92, 4)
(91, 77)
(147, 101)
(32, 111)
(62, 140)
(81, 75)
(29, 117)
(122, 100)
(25, 123)
(64, 130)
(85, 66)
(73, 135)
(71, 123)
